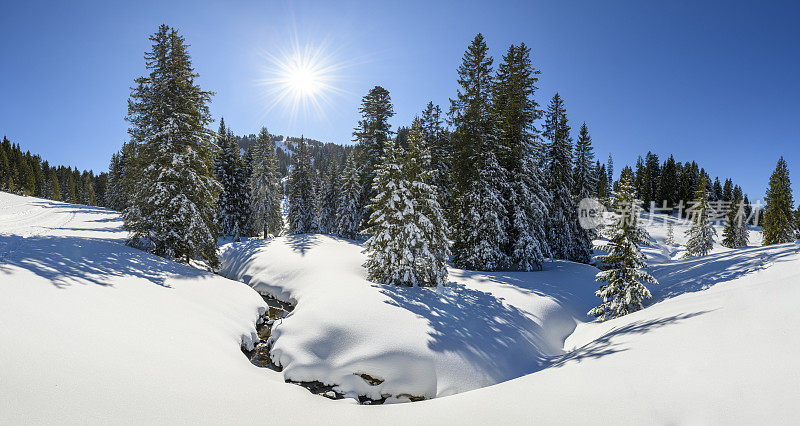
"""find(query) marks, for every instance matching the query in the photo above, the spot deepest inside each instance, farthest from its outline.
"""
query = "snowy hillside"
(92, 331)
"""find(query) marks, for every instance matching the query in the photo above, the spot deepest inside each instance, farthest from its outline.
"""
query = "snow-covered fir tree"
(265, 191)
(778, 222)
(328, 197)
(172, 211)
(567, 240)
(701, 234)
(409, 243)
(479, 231)
(624, 270)
(583, 177)
(524, 196)
(735, 233)
(348, 210)
(229, 168)
(437, 140)
(302, 199)
(87, 190)
(373, 135)
(670, 240)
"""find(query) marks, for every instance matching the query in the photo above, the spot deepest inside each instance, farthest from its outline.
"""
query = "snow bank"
(92, 331)
(481, 329)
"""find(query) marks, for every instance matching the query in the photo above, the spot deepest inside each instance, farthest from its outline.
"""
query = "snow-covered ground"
(92, 331)
(481, 329)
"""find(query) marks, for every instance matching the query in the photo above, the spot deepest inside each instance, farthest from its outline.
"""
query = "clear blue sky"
(716, 82)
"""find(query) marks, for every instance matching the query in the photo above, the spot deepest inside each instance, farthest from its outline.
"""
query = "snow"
(92, 331)
(479, 330)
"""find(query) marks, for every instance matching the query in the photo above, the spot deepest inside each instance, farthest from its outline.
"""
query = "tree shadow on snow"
(302, 243)
(700, 273)
(603, 346)
(67, 260)
(477, 326)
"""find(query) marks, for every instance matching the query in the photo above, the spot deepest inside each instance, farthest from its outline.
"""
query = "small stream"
(260, 355)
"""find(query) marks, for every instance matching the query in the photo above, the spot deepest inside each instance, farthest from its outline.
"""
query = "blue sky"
(716, 82)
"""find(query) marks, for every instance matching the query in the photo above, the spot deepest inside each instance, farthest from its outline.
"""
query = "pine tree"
(328, 197)
(668, 183)
(348, 211)
(624, 273)
(735, 233)
(670, 240)
(583, 174)
(374, 135)
(265, 192)
(567, 240)
(701, 234)
(437, 140)
(87, 190)
(779, 223)
(610, 171)
(524, 196)
(479, 231)
(55, 189)
(409, 239)
(229, 168)
(172, 211)
(302, 215)
(72, 191)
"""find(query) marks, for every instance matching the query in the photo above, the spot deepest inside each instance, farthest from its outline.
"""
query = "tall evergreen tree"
(524, 196)
(735, 233)
(668, 183)
(567, 240)
(348, 211)
(172, 211)
(701, 234)
(625, 265)
(583, 181)
(302, 215)
(265, 191)
(409, 239)
(229, 168)
(328, 197)
(779, 223)
(438, 142)
(479, 231)
(374, 135)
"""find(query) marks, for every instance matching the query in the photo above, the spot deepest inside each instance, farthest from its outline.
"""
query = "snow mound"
(92, 329)
(481, 329)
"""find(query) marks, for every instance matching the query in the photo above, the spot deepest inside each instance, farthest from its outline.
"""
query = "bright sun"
(301, 80)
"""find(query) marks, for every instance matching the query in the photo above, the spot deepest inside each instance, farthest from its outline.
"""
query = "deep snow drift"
(481, 329)
(92, 331)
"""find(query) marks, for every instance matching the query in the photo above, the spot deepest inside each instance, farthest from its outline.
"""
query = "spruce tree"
(374, 135)
(229, 168)
(670, 240)
(348, 211)
(328, 197)
(778, 223)
(583, 174)
(265, 192)
(524, 196)
(701, 234)
(172, 211)
(479, 231)
(624, 272)
(437, 140)
(409, 233)
(567, 240)
(302, 215)
(735, 233)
